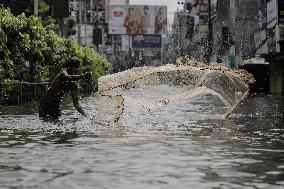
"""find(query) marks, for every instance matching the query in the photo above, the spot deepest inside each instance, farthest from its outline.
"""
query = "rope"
(236, 105)
(28, 83)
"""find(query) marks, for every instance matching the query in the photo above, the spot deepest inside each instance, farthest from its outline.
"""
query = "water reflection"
(164, 148)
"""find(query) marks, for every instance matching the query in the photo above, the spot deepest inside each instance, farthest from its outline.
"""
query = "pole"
(210, 37)
(232, 53)
(35, 91)
(61, 26)
(180, 36)
(162, 50)
(21, 94)
(97, 9)
(112, 55)
(85, 21)
(97, 20)
(79, 22)
(129, 57)
(36, 7)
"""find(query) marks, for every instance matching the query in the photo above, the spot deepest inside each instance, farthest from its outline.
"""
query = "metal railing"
(27, 92)
(33, 91)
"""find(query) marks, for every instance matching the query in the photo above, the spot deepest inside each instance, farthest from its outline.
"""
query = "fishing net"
(141, 91)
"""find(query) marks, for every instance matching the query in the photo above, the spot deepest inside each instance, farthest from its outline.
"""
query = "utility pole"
(180, 15)
(36, 7)
(61, 26)
(97, 9)
(85, 21)
(97, 30)
(79, 20)
(232, 51)
(180, 36)
(210, 28)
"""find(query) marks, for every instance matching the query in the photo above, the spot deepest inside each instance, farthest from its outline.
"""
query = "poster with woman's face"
(137, 19)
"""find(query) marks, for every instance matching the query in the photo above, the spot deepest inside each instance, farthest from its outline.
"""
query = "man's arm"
(77, 77)
(74, 94)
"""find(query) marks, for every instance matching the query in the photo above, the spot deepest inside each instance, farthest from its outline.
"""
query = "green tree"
(70, 26)
(27, 6)
(29, 51)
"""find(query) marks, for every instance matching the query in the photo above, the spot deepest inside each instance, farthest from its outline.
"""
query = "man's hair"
(73, 63)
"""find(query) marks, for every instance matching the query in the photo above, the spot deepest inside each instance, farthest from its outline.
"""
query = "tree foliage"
(27, 6)
(34, 53)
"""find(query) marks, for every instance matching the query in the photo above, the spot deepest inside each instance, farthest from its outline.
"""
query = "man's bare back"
(64, 82)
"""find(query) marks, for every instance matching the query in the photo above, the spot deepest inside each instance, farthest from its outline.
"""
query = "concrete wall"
(246, 25)
(222, 20)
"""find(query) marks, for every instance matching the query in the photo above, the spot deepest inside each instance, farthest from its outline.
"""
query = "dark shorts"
(49, 110)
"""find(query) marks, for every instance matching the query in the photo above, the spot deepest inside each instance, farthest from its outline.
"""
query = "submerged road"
(180, 146)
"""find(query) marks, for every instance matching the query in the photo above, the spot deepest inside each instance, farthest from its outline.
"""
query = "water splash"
(149, 89)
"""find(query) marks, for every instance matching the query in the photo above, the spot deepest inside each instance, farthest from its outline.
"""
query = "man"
(49, 108)
(160, 22)
(145, 20)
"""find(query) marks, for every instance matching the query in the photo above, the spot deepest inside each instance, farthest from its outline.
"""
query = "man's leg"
(49, 111)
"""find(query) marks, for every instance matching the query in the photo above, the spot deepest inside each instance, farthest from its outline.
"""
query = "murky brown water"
(185, 145)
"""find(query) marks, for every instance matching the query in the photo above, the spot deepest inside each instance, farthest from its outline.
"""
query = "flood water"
(183, 145)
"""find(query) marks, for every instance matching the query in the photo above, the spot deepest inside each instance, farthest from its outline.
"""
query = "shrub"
(34, 53)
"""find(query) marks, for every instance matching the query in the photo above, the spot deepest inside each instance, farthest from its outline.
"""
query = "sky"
(172, 5)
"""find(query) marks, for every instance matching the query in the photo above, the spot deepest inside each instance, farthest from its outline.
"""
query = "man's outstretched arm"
(77, 77)
(74, 94)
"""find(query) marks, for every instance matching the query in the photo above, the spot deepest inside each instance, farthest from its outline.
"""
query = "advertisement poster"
(200, 9)
(146, 42)
(125, 42)
(281, 12)
(271, 14)
(137, 19)
(272, 27)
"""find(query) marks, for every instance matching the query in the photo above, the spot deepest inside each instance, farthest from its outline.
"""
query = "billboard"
(271, 14)
(267, 40)
(125, 42)
(137, 19)
(272, 32)
(146, 42)
(200, 10)
(281, 12)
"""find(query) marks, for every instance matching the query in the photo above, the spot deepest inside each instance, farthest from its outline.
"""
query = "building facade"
(239, 29)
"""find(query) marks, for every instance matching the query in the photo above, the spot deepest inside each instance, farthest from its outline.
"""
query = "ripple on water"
(170, 146)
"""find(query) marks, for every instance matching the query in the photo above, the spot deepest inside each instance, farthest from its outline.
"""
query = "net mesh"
(151, 88)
